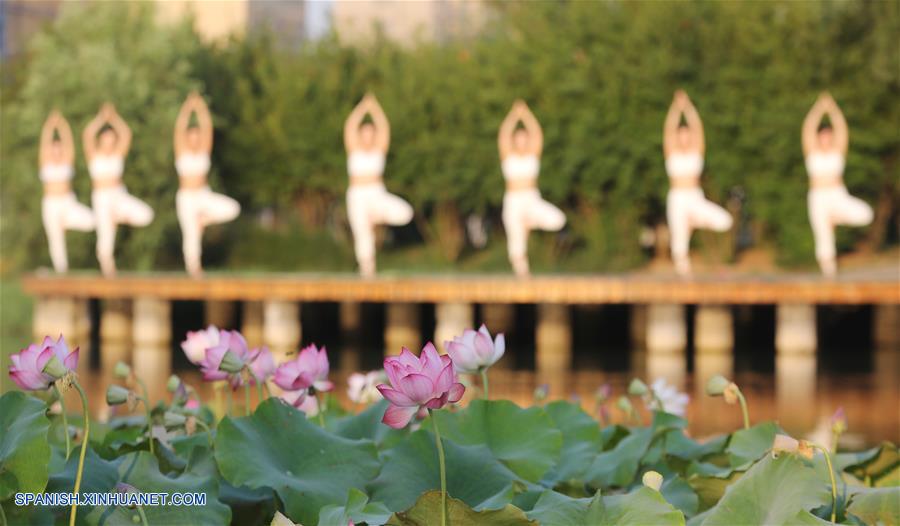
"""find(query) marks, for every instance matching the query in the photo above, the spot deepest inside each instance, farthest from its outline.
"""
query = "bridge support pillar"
(219, 313)
(116, 343)
(795, 362)
(281, 330)
(451, 320)
(886, 321)
(402, 328)
(152, 333)
(714, 343)
(252, 322)
(350, 317)
(666, 343)
(500, 317)
(553, 340)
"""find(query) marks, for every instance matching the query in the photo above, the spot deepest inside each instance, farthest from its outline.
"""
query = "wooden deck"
(873, 288)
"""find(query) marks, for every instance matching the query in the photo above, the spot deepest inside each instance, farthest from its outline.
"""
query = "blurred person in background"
(520, 161)
(825, 150)
(60, 209)
(687, 208)
(368, 202)
(106, 141)
(196, 205)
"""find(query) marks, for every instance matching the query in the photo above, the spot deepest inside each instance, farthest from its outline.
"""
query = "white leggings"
(687, 209)
(197, 208)
(829, 207)
(111, 207)
(368, 206)
(523, 211)
(61, 213)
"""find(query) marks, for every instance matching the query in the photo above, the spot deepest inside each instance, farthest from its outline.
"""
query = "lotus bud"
(731, 393)
(122, 370)
(624, 404)
(171, 419)
(541, 392)
(55, 368)
(716, 385)
(231, 363)
(839, 421)
(173, 384)
(652, 480)
(637, 388)
(784, 443)
(603, 393)
(118, 395)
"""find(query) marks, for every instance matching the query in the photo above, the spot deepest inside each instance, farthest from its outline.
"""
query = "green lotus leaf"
(24, 450)
(307, 466)
(876, 505)
(427, 512)
(525, 440)
(772, 491)
(749, 445)
(581, 442)
(357, 509)
(643, 507)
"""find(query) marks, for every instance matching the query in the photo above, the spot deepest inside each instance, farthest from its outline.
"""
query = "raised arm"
(351, 125)
(382, 124)
(65, 139)
(122, 130)
(695, 125)
(181, 125)
(533, 127)
(47, 131)
(204, 120)
(89, 135)
(507, 128)
(670, 128)
(838, 123)
(811, 125)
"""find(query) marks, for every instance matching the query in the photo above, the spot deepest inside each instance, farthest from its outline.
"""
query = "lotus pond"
(406, 453)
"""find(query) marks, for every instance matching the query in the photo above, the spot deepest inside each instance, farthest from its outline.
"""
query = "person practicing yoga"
(368, 202)
(686, 206)
(60, 209)
(829, 202)
(520, 161)
(196, 205)
(105, 150)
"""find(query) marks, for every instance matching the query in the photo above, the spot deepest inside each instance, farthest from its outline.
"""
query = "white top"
(686, 164)
(365, 163)
(825, 164)
(56, 173)
(106, 167)
(518, 167)
(192, 164)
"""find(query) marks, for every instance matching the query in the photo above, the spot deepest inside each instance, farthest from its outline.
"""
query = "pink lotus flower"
(474, 351)
(225, 360)
(362, 388)
(416, 382)
(197, 342)
(263, 365)
(308, 369)
(29, 369)
(302, 401)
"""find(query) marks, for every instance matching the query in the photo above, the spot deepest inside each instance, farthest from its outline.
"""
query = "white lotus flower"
(673, 400)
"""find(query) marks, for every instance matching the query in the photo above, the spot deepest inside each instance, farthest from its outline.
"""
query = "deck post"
(886, 328)
(637, 327)
(219, 313)
(714, 343)
(666, 343)
(350, 315)
(500, 317)
(281, 330)
(553, 342)
(451, 320)
(402, 328)
(115, 334)
(795, 362)
(152, 333)
(252, 322)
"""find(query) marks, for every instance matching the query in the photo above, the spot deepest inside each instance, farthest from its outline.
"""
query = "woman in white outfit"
(105, 150)
(368, 202)
(59, 208)
(197, 206)
(523, 207)
(686, 206)
(829, 202)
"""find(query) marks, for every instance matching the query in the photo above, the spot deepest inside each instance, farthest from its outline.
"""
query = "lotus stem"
(321, 407)
(65, 419)
(146, 400)
(144, 521)
(247, 398)
(205, 427)
(484, 382)
(440, 448)
(833, 482)
(743, 402)
(84, 446)
(220, 405)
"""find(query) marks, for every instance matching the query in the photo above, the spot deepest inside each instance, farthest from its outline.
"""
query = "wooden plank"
(570, 289)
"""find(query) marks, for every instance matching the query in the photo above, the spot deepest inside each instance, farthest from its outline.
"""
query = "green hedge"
(599, 76)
